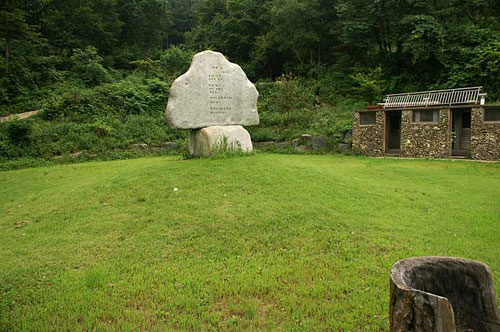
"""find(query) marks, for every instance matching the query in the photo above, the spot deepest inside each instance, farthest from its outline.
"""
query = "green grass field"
(265, 242)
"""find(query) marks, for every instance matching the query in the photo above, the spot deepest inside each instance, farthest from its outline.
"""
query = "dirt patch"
(18, 116)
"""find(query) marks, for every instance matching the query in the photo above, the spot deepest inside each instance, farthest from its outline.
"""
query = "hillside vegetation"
(100, 70)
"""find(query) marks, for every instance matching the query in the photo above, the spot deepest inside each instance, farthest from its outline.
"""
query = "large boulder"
(213, 92)
(207, 141)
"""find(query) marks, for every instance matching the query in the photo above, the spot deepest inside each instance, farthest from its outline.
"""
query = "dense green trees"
(15, 27)
(100, 70)
(411, 44)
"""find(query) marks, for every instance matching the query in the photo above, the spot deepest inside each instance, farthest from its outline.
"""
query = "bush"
(145, 66)
(289, 108)
(87, 65)
(290, 95)
(19, 131)
(370, 85)
(260, 134)
(175, 61)
(101, 128)
(131, 97)
(284, 102)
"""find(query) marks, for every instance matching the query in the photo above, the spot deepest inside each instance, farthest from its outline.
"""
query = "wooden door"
(461, 129)
(465, 132)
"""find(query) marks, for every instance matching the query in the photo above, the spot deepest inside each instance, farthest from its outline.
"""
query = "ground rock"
(170, 145)
(282, 145)
(302, 143)
(348, 136)
(344, 147)
(263, 145)
(213, 92)
(319, 143)
(301, 148)
(140, 146)
(206, 141)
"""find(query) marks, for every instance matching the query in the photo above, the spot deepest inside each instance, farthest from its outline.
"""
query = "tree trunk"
(7, 56)
(298, 56)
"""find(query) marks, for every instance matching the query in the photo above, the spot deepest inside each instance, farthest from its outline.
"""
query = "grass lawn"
(265, 242)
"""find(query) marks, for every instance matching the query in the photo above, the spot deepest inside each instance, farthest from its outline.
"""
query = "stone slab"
(319, 143)
(206, 141)
(213, 92)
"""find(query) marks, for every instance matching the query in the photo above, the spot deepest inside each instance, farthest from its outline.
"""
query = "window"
(425, 116)
(367, 118)
(492, 114)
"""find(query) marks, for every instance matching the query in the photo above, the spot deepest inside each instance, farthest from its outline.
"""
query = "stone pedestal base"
(206, 141)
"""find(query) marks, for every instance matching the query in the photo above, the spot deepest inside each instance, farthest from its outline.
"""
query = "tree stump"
(442, 294)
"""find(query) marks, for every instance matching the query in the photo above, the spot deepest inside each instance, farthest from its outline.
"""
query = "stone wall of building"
(428, 140)
(369, 139)
(485, 137)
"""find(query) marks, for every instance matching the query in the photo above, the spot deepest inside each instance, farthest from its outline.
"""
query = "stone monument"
(214, 100)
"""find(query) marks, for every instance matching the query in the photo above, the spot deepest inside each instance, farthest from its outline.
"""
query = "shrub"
(175, 60)
(332, 83)
(289, 93)
(284, 101)
(53, 108)
(145, 66)
(130, 97)
(370, 84)
(19, 131)
(101, 128)
(264, 134)
(87, 64)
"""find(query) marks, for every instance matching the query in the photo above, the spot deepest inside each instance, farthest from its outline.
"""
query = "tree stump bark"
(442, 294)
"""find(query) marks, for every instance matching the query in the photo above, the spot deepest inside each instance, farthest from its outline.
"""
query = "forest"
(99, 70)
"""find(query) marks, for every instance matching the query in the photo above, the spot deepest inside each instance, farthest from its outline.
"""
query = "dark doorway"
(393, 132)
(461, 133)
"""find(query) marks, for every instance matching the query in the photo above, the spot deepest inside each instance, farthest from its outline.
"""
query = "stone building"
(463, 130)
